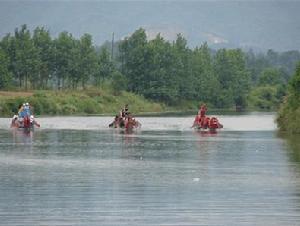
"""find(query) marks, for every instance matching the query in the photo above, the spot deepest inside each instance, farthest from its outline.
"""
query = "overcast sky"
(258, 24)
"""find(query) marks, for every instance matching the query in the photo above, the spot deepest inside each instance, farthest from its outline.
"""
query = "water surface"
(76, 171)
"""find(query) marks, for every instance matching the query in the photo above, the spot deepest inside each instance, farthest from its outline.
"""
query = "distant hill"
(248, 24)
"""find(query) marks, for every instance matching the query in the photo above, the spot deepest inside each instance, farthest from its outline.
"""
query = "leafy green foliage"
(295, 83)
(264, 97)
(270, 76)
(119, 82)
(288, 118)
(233, 76)
(89, 101)
(5, 75)
(160, 70)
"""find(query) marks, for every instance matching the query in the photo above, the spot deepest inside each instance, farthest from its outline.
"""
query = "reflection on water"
(149, 177)
(22, 137)
(293, 142)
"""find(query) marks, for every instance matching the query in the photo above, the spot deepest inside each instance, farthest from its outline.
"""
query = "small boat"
(128, 123)
(25, 124)
(206, 123)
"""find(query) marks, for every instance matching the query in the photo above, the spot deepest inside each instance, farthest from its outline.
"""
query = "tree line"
(157, 69)
(288, 117)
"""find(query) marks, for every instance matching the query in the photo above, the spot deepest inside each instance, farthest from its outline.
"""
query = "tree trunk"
(26, 78)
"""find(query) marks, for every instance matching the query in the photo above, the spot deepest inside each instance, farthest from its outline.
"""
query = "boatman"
(124, 111)
(202, 110)
(202, 119)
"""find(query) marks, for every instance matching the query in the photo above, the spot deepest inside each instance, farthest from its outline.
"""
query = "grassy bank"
(289, 114)
(83, 102)
(94, 102)
(288, 118)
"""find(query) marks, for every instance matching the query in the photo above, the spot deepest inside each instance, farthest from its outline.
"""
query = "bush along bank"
(84, 102)
(288, 118)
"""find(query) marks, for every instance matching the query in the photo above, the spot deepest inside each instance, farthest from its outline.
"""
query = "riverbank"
(288, 119)
(79, 102)
(95, 102)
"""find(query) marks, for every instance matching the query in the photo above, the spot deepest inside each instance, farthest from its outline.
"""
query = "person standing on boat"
(21, 111)
(21, 115)
(202, 110)
(202, 120)
(200, 117)
(125, 111)
(27, 109)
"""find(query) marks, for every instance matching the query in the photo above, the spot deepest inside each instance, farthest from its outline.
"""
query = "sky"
(259, 25)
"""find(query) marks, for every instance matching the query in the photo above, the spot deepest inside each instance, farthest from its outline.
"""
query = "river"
(76, 171)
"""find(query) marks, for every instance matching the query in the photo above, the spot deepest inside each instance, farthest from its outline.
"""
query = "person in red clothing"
(200, 119)
(202, 110)
(213, 123)
(26, 122)
(205, 122)
(196, 121)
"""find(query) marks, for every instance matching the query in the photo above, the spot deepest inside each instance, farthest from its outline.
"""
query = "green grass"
(288, 118)
(95, 101)
(81, 102)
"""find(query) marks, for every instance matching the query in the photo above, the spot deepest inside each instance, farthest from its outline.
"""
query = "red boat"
(206, 123)
(127, 123)
(26, 123)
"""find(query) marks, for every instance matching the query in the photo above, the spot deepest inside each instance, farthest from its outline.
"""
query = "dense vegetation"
(90, 101)
(159, 70)
(289, 114)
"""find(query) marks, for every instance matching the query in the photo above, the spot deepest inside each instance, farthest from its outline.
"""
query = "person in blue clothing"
(21, 111)
(24, 110)
(27, 109)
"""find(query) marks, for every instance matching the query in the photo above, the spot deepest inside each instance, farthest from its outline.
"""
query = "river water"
(76, 171)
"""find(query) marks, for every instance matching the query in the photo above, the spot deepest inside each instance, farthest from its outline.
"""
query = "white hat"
(31, 117)
(15, 117)
(27, 104)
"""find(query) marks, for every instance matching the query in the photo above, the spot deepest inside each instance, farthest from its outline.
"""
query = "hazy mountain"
(249, 24)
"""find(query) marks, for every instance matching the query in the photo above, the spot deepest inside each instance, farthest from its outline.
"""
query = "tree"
(88, 59)
(288, 118)
(182, 68)
(160, 81)
(294, 85)
(255, 63)
(43, 42)
(204, 80)
(133, 58)
(5, 75)
(270, 76)
(119, 82)
(105, 66)
(64, 52)
(8, 47)
(233, 76)
(26, 59)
